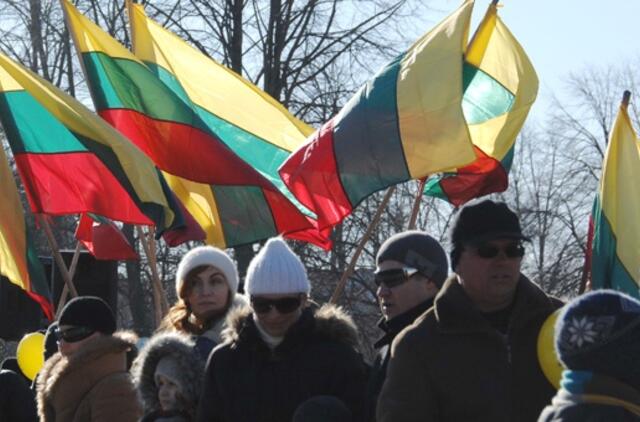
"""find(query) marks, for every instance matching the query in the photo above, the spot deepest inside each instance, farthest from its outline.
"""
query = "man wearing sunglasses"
(473, 356)
(280, 352)
(410, 269)
(87, 380)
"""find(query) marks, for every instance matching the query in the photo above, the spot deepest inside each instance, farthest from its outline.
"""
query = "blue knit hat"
(600, 332)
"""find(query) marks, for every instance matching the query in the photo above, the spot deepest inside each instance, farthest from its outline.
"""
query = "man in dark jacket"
(597, 338)
(472, 357)
(17, 402)
(279, 352)
(411, 267)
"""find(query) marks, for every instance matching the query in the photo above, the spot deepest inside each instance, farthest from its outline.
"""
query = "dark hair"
(180, 315)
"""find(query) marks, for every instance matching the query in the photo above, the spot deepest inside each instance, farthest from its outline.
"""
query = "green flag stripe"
(19, 109)
(484, 98)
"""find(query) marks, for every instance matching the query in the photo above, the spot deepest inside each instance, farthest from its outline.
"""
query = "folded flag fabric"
(259, 129)
(18, 260)
(500, 85)
(254, 125)
(405, 123)
(103, 239)
(70, 160)
(615, 247)
(131, 98)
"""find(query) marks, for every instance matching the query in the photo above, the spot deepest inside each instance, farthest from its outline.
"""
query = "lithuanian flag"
(71, 161)
(254, 125)
(245, 206)
(18, 261)
(500, 85)
(615, 248)
(405, 123)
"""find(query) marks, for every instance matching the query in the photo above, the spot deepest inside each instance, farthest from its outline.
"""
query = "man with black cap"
(87, 380)
(473, 357)
(410, 269)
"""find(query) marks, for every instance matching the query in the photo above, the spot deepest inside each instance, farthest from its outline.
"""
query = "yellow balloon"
(547, 356)
(30, 354)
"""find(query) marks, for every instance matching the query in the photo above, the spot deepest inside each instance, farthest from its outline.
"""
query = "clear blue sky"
(564, 36)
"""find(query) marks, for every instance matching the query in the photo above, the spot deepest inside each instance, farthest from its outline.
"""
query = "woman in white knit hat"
(206, 287)
(280, 352)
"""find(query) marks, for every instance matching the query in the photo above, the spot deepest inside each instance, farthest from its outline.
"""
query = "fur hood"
(93, 361)
(330, 322)
(181, 348)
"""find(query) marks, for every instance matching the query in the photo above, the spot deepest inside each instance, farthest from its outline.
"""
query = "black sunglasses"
(286, 305)
(488, 251)
(73, 334)
(394, 277)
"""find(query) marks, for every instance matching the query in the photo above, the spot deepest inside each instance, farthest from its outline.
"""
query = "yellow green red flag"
(615, 247)
(500, 85)
(18, 261)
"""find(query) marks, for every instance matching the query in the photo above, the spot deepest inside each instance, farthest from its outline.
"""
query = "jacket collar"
(393, 326)
(455, 312)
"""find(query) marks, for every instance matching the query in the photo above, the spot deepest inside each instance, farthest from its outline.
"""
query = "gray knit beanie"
(207, 255)
(276, 270)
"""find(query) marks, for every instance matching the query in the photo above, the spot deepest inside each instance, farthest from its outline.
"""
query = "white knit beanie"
(207, 255)
(276, 270)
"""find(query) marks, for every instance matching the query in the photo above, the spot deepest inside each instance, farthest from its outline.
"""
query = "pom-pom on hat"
(90, 312)
(276, 270)
(600, 332)
(207, 255)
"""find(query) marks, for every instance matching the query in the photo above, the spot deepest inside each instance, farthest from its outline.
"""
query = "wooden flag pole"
(156, 286)
(72, 272)
(57, 256)
(345, 276)
(416, 204)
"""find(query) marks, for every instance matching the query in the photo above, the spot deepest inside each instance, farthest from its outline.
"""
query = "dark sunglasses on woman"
(284, 305)
(489, 251)
(73, 334)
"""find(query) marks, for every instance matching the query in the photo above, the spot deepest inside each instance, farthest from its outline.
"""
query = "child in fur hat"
(167, 375)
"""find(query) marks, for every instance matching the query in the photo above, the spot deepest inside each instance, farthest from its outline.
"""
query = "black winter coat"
(378, 371)
(247, 382)
(17, 401)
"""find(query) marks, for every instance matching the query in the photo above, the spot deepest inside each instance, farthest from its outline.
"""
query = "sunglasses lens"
(74, 334)
(391, 278)
(287, 305)
(284, 306)
(514, 250)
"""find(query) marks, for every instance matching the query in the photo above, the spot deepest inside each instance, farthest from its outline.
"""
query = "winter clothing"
(589, 397)
(171, 416)
(600, 332)
(483, 220)
(451, 364)
(378, 371)
(90, 312)
(17, 403)
(322, 409)
(276, 269)
(173, 354)
(213, 336)
(90, 385)
(245, 381)
(207, 255)
(418, 250)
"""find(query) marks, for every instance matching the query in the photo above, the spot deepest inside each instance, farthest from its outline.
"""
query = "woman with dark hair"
(206, 286)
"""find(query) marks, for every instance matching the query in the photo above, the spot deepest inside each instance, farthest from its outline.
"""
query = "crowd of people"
(454, 346)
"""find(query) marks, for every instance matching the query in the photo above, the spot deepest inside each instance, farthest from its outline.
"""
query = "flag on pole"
(405, 123)
(103, 239)
(500, 85)
(615, 247)
(71, 161)
(164, 125)
(18, 260)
